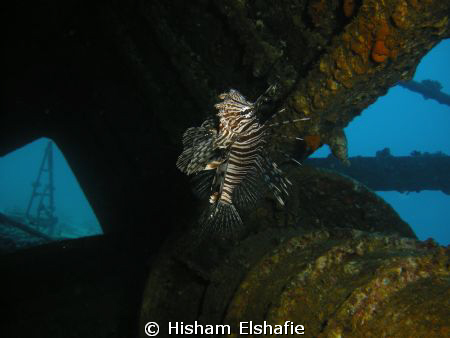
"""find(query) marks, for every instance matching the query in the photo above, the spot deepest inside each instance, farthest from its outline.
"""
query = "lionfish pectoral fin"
(195, 135)
(201, 183)
(276, 124)
(290, 158)
(198, 148)
(184, 159)
(248, 191)
(200, 156)
(278, 183)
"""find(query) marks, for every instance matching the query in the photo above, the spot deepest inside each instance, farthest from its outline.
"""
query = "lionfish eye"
(247, 112)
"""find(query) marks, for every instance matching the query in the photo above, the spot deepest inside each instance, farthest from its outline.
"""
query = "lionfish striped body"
(231, 163)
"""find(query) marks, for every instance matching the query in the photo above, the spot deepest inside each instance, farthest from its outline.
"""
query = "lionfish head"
(234, 106)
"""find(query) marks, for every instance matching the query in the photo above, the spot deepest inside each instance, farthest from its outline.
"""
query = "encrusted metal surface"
(336, 283)
(339, 269)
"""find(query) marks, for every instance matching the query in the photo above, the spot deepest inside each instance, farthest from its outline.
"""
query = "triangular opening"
(41, 200)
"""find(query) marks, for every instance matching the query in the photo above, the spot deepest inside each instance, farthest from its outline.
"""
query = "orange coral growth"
(362, 43)
(349, 7)
(313, 142)
(380, 53)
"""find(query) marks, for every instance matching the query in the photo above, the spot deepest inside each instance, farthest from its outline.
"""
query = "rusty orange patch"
(313, 142)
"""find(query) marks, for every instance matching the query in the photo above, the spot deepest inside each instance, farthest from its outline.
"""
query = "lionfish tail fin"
(221, 218)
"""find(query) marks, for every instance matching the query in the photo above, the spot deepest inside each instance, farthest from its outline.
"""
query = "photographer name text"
(245, 328)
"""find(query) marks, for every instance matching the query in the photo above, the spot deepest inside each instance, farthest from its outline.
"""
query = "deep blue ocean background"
(401, 120)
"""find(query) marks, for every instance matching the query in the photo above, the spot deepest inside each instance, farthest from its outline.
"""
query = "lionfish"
(230, 161)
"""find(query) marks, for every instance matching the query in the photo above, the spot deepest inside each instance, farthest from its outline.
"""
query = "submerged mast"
(44, 216)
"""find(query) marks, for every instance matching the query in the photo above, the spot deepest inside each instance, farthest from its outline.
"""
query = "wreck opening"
(41, 199)
(409, 124)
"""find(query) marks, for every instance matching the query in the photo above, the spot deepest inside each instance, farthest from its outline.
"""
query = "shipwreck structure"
(114, 85)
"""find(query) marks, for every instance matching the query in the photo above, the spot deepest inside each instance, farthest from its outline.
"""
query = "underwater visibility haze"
(19, 172)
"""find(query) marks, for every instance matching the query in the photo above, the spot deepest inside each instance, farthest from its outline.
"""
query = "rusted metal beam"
(429, 89)
(385, 172)
(381, 45)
